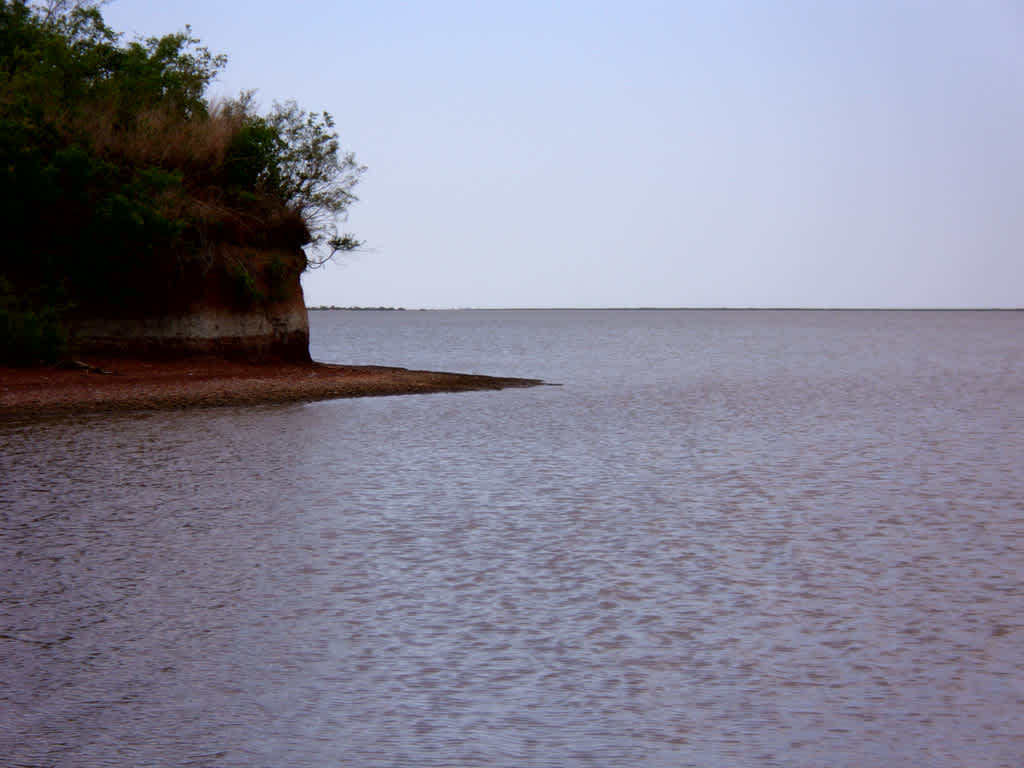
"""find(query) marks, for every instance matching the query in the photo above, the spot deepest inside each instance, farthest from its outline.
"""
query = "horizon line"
(360, 308)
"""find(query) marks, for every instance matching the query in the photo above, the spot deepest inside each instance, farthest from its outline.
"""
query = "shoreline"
(125, 384)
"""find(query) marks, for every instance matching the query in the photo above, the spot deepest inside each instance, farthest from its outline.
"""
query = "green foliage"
(244, 289)
(250, 160)
(64, 55)
(171, 72)
(75, 217)
(314, 178)
(294, 156)
(29, 333)
(114, 166)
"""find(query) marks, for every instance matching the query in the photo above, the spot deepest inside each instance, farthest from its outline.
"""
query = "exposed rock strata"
(281, 333)
(237, 302)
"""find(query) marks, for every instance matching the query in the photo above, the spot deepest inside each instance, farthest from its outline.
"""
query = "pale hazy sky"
(641, 153)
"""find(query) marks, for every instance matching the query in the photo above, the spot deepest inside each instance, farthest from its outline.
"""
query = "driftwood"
(78, 365)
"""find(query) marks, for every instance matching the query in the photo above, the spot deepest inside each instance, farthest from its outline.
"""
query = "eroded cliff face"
(233, 302)
(281, 333)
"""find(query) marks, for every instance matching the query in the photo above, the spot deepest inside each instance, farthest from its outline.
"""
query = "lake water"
(728, 538)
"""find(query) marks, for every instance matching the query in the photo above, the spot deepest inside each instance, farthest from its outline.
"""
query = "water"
(729, 538)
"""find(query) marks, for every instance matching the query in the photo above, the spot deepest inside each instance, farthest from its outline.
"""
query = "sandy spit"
(123, 384)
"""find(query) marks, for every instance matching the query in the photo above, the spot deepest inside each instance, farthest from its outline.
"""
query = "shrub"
(244, 289)
(30, 335)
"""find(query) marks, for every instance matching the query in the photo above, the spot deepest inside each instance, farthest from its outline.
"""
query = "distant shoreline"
(135, 384)
(355, 309)
(666, 309)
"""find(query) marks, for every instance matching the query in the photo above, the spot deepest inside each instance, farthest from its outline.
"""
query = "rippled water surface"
(729, 538)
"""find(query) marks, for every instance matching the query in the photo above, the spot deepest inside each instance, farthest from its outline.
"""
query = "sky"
(589, 153)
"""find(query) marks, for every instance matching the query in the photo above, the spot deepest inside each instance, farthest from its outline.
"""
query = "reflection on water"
(786, 539)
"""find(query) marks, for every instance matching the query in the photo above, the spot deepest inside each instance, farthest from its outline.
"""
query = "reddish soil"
(128, 384)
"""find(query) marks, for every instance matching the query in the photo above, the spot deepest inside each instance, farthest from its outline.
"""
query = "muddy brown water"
(729, 538)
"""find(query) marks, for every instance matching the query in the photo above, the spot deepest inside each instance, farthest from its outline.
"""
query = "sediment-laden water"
(729, 538)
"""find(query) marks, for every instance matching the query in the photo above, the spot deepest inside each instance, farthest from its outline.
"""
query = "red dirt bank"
(139, 384)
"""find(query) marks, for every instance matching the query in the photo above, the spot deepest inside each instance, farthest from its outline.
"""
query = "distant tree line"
(117, 170)
(356, 309)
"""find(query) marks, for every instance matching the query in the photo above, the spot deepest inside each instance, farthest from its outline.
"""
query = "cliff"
(237, 302)
(142, 218)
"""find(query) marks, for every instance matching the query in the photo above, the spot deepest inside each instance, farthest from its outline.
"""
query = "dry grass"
(160, 137)
(197, 147)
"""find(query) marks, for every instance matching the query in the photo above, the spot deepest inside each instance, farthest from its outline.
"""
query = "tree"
(294, 156)
(54, 11)
(314, 178)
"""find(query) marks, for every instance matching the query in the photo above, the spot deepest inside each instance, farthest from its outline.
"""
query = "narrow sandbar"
(132, 384)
